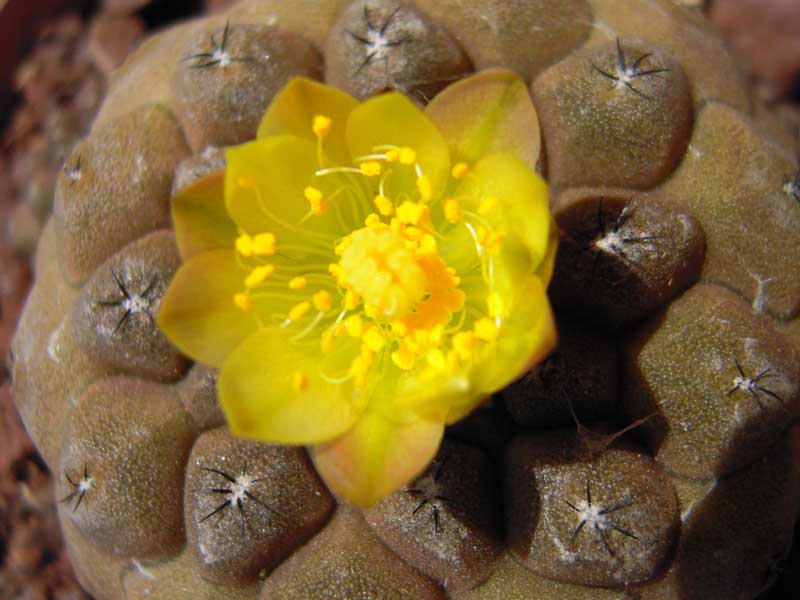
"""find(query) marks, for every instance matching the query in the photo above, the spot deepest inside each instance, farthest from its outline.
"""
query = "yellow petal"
(488, 113)
(392, 119)
(526, 337)
(522, 214)
(198, 313)
(280, 169)
(377, 457)
(199, 216)
(272, 390)
(293, 109)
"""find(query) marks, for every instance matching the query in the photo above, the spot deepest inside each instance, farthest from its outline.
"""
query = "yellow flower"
(364, 323)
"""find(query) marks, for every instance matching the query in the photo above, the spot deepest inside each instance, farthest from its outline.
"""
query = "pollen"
(485, 329)
(406, 156)
(258, 275)
(412, 213)
(243, 301)
(262, 244)
(300, 381)
(373, 339)
(370, 168)
(354, 326)
(459, 170)
(381, 269)
(425, 187)
(384, 205)
(299, 311)
(452, 211)
(321, 125)
(403, 358)
(316, 200)
(322, 301)
(297, 283)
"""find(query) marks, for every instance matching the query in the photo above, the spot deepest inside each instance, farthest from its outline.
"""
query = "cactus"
(658, 434)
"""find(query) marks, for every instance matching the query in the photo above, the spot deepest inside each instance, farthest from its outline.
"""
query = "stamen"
(354, 326)
(243, 301)
(425, 187)
(322, 301)
(485, 329)
(459, 170)
(297, 283)
(321, 125)
(370, 168)
(262, 244)
(258, 275)
(299, 311)
(452, 211)
(384, 205)
(315, 199)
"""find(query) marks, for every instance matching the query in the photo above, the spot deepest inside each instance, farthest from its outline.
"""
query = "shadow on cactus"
(366, 274)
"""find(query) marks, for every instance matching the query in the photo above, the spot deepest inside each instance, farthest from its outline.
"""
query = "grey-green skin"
(677, 290)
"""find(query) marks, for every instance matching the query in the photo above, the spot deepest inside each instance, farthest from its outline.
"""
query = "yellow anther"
(412, 213)
(399, 328)
(354, 326)
(373, 220)
(392, 155)
(322, 301)
(258, 275)
(371, 311)
(297, 283)
(425, 187)
(351, 300)
(246, 183)
(264, 244)
(384, 205)
(436, 334)
(358, 369)
(373, 339)
(427, 245)
(406, 156)
(370, 168)
(485, 329)
(414, 233)
(453, 211)
(243, 300)
(403, 358)
(491, 241)
(436, 359)
(321, 125)
(244, 245)
(495, 304)
(315, 199)
(299, 311)
(464, 343)
(299, 381)
(459, 170)
(488, 205)
(326, 342)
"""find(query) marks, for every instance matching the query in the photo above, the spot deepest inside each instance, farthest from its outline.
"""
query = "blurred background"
(55, 60)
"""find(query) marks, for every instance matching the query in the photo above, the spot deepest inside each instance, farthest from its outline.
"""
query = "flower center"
(378, 266)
